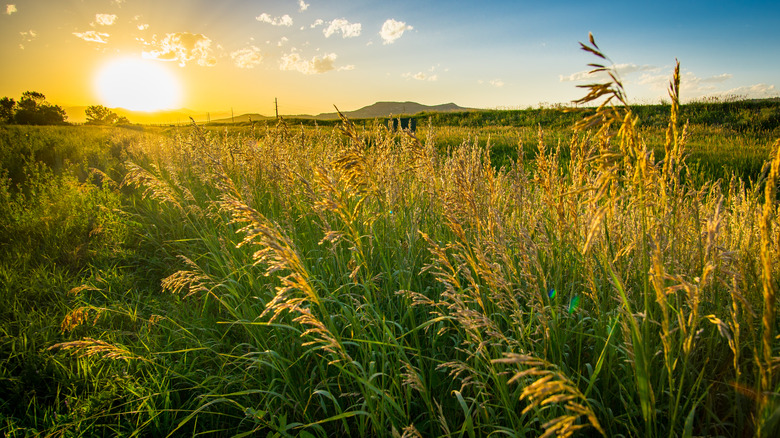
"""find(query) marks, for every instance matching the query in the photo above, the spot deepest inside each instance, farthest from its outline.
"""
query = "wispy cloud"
(430, 75)
(28, 35)
(105, 19)
(421, 76)
(282, 41)
(247, 58)
(621, 69)
(284, 20)
(719, 78)
(183, 47)
(657, 79)
(689, 82)
(347, 29)
(757, 91)
(318, 64)
(498, 83)
(392, 30)
(302, 6)
(140, 26)
(317, 22)
(10, 9)
(93, 36)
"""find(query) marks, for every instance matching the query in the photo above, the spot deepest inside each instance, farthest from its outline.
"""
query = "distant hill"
(387, 109)
(76, 114)
(377, 110)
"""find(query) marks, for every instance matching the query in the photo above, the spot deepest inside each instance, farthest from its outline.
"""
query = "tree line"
(33, 109)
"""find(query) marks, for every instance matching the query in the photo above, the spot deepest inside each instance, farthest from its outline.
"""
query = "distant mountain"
(387, 109)
(76, 114)
(377, 110)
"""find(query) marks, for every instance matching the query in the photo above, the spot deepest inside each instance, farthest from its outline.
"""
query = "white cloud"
(247, 58)
(347, 29)
(392, 30)
(119, 2)
(757, 91)
(719, 78)
(693, 86)
(318, 64)
(140, 26)
(423, 76)
(284, 20)
(183, 47)
(93, 36)
(420, 76)
(302, 6)
(621, 69)
(657, 79)
(624, 69)
(689, 82)
(575, 77)
(28, 35)
(281, 42)
(10, 9)
(317, 22)
(105, 19)
(498, 83)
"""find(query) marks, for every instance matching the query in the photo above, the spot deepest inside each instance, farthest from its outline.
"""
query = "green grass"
(310, 281)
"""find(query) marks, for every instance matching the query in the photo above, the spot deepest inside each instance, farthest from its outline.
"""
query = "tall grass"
(363, 282)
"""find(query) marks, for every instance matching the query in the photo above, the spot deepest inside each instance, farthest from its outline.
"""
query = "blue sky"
(313, 54)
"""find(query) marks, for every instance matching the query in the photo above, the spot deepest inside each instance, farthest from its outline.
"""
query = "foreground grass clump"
(363, 283)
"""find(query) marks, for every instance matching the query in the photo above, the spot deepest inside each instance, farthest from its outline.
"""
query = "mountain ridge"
(376, 110)
(379, 109)
(393, 108)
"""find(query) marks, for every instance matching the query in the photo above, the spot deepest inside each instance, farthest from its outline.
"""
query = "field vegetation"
(610, 278)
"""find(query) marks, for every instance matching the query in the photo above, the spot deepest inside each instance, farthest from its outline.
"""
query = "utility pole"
(276, 105)
(232, 119)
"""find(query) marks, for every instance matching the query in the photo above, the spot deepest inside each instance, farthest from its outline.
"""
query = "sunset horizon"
(312, 55)
(407, 219)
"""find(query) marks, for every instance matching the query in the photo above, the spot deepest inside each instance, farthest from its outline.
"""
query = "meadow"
(600, 278)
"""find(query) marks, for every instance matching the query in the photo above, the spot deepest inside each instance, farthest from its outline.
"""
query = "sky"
(240, 55)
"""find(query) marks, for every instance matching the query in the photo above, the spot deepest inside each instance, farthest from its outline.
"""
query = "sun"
(138, 85)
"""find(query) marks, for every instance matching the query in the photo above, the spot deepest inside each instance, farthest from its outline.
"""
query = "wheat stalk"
(89, 347)
(768, 264)
(551, 387)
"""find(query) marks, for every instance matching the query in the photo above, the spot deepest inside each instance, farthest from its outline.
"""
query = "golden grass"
(89, 347)
(427, 278)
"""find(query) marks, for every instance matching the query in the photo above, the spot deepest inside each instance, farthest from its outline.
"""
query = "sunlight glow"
(138, 85)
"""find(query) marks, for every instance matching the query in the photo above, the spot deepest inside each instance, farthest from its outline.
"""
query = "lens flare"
(573, 304)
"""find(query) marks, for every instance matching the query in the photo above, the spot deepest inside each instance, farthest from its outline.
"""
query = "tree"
(100, 115)
(33, 109)
(31, 100)
(7, 107)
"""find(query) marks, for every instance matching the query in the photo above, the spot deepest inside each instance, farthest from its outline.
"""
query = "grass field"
(284, 280)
